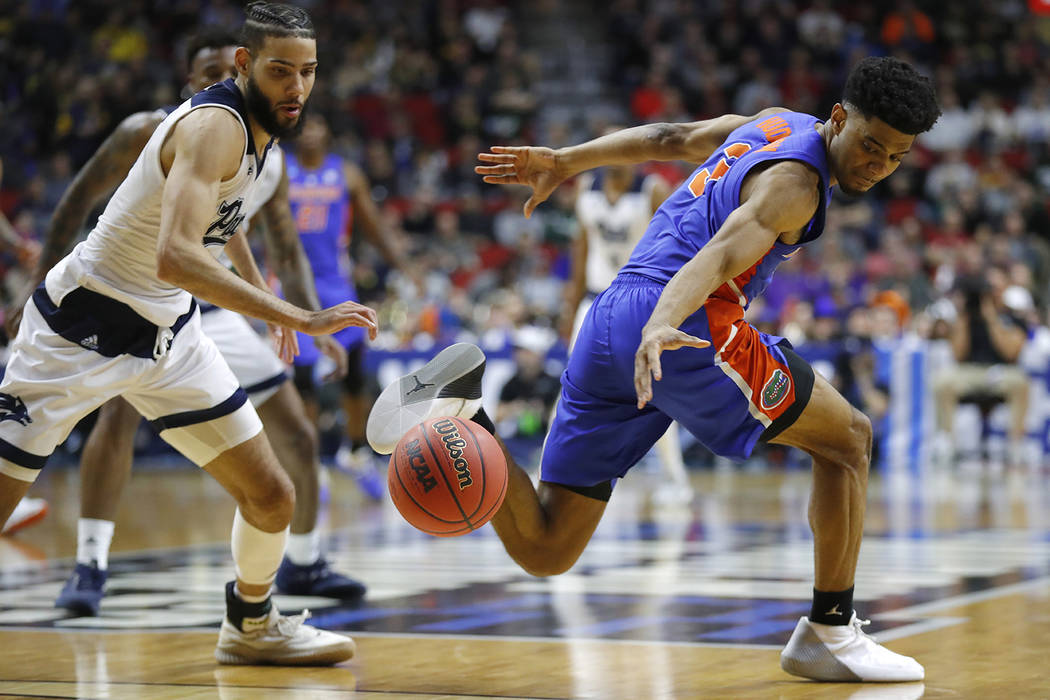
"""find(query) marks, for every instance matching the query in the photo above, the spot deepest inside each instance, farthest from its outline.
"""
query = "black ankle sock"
(832, 607)
(482, 419)
(237, 609)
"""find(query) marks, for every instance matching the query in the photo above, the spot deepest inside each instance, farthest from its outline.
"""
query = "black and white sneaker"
(448, 385)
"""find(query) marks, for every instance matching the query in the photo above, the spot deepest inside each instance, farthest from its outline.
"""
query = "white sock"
(93, 539)
(304, 549)
(256, 554)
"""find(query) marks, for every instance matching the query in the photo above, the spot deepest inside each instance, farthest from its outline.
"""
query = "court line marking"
(354, 692)
(935, 606)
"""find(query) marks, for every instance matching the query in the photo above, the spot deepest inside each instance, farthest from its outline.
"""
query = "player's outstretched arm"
(205, 149)
(779, 199)
(95, 180)
(284, 249)
(543, 169)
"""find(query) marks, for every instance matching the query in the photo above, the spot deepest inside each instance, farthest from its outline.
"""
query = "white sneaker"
(448, 385)
(28, 512)
(844, 653)
(282, 641)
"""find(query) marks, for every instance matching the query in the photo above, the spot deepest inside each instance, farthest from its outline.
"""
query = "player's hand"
(656, 339)
(285, 342)
(337, 353)
(534, 166)
(336, 318)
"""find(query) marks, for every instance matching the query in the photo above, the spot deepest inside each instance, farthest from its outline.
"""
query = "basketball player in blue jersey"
(329, 198)
(116, 317)
(108, 452)
(760, 194)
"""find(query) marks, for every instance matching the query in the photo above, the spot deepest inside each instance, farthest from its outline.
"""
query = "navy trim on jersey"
(181, 420)
(265, 384)
(102, 324)
(228, 94)
(21, 457)
(206, 307)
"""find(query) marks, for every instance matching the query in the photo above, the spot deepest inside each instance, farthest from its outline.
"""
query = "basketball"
(447, 476)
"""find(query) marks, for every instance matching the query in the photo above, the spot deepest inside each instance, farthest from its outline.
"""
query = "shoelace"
(288, 625)
(858, 623)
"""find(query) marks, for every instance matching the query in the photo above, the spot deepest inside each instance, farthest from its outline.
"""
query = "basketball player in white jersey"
(613, 209)
(116, 317)
(108, 451)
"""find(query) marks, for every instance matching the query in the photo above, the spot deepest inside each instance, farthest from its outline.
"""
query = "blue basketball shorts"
(746, 386)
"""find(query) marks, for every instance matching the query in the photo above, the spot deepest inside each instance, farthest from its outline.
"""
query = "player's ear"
(838, 117)
(242, 60)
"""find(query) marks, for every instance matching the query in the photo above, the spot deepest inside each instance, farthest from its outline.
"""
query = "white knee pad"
(256, 554)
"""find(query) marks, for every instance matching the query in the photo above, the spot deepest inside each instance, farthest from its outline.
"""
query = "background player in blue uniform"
(328, 195)
(761, 192)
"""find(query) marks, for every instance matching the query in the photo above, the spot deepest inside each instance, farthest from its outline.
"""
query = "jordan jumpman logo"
(419, 386)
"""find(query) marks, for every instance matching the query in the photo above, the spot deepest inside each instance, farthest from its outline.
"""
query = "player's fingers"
(642, 381)
(506, 169)
(653, 360)
(502, 180)
(497, 158)
(507, 149)
(685, 340)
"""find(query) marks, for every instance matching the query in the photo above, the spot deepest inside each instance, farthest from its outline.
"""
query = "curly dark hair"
(209, 37)
(263, 19)
(893, 91)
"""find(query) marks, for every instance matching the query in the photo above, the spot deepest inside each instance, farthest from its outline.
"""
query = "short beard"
(262, 111)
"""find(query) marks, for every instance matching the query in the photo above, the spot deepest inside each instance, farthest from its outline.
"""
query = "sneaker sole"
(33, 519)
(448, 385)
(809, 658)
(261, 658)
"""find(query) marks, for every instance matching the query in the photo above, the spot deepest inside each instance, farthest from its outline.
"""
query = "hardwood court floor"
(668, 602)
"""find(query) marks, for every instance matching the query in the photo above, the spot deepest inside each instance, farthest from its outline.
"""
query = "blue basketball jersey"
(320, 201)
(692, 215)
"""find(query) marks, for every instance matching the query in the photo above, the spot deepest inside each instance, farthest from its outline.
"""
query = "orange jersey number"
(699, 182)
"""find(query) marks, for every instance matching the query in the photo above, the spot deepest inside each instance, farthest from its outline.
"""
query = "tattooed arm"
(99, 176)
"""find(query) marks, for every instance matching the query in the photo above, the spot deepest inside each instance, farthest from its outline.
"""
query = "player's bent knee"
(269, 501)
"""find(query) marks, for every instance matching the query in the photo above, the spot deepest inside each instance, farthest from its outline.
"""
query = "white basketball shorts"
(190, 395)
(251, 357)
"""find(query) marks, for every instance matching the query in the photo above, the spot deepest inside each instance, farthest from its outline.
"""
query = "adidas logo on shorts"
(90, 342)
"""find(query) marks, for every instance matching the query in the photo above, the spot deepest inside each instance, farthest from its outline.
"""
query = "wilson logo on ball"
(454, 445)
(418, 463)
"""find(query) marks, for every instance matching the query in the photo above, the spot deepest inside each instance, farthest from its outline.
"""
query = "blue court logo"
(14, 408)
(775, 390)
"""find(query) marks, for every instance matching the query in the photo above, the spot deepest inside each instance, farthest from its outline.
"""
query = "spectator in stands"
(987, 337)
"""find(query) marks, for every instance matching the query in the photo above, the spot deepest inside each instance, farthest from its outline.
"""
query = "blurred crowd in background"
(413, 90)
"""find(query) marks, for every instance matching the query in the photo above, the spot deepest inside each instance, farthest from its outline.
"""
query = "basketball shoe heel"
(448, 385)
(281, 640)
(844, 653)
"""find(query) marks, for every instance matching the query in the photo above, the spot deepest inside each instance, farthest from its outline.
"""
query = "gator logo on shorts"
(14, 408)
(775, 390)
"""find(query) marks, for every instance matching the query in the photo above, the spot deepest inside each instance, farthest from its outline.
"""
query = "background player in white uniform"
(108, 452)
(613, 209)
(115, 317)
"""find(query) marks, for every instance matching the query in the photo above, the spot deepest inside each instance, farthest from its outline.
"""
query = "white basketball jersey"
(266, 186)
(612, 229)
(119, 257)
